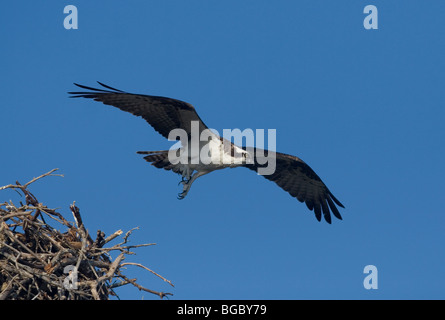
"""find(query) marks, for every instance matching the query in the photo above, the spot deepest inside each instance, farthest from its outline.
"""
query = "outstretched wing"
(296, 177)
(163, 114)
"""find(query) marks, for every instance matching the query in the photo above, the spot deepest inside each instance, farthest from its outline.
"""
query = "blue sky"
(364, 108)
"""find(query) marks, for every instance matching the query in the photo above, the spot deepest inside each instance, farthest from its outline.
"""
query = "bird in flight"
(166, 115)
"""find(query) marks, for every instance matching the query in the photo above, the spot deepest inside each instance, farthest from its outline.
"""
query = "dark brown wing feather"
(300, 181)
(163, 114)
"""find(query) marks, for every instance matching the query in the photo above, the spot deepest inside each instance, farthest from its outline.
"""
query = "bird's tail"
(159, 159)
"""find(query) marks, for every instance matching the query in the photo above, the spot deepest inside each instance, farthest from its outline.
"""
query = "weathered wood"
(38, 260)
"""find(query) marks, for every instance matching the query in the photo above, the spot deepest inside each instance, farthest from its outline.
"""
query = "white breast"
(221, 153)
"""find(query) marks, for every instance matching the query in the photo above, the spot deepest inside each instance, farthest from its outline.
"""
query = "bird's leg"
(187, 184)
(186, 173)
(183, 181)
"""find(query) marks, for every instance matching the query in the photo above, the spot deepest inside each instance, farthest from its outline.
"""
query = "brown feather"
(163, 114)
(300, 181)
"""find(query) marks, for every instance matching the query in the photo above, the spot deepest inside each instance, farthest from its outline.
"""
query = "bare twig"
(22, 187)
(113, 236)
(144, 267)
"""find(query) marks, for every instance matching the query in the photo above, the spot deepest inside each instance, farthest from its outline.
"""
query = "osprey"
(166, 115)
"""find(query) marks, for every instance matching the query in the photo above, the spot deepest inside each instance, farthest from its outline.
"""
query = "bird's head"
(243, 156)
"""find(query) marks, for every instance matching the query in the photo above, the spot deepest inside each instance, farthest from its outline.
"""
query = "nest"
(38, 261)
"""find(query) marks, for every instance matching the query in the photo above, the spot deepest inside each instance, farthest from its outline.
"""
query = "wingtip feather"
(108, 87)
(336, 200)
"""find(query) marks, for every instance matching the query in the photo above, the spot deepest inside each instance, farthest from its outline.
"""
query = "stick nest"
(38, 261)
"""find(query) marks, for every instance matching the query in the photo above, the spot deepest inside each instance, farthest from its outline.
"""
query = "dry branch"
(38, 261)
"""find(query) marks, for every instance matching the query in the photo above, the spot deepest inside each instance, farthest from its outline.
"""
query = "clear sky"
(364, 108)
